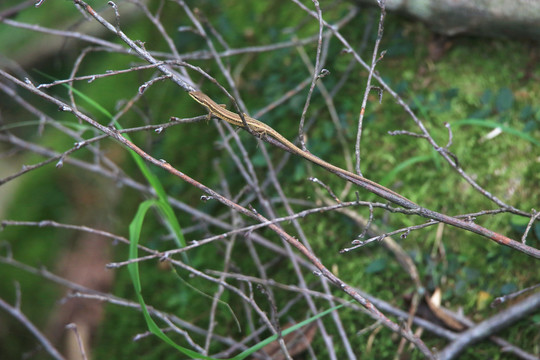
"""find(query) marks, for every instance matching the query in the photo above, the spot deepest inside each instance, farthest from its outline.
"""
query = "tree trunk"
(493, 18)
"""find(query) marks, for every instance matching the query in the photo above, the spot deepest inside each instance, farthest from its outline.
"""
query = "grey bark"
(493, 18)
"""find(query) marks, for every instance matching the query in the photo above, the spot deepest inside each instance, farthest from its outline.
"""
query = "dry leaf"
(297, 342)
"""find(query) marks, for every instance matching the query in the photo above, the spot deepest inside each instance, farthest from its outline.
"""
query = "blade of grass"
(165, 208)
(268, 340)
(494, 125)
(134, 235)
(173, 270)
(388, 178)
